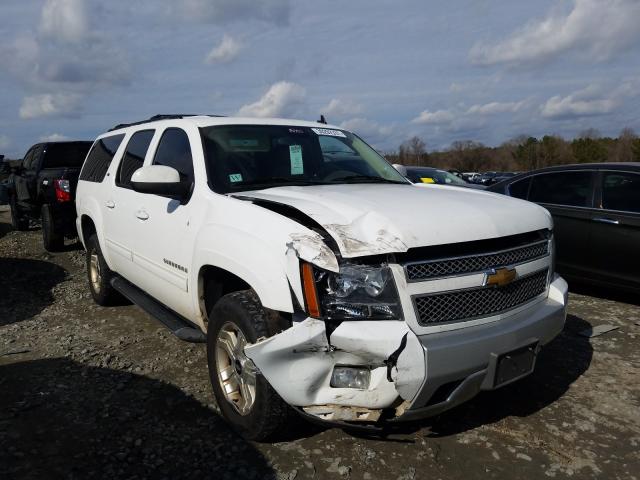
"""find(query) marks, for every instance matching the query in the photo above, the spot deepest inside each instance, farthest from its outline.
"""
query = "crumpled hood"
(370, 219)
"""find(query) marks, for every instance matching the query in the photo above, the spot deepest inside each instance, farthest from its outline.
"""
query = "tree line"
(521, 153)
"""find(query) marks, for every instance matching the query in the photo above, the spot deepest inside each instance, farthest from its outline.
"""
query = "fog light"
(350, 377)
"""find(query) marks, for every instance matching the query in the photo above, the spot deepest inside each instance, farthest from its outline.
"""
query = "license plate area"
(516, 364)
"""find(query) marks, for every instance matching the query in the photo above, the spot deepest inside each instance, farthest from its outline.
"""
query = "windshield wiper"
(365, 179)
(278, 182)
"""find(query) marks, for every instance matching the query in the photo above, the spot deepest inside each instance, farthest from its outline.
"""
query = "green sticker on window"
(295, 156)
(235, 177)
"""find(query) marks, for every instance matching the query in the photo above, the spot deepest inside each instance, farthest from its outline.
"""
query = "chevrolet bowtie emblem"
(500, 277)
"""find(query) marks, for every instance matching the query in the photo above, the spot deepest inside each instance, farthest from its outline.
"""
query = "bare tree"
(413, 152)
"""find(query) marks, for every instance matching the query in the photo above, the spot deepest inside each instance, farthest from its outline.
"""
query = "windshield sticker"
(329, 132)
(235, 177)
(295, 156)
(296, 130)
(426, 180)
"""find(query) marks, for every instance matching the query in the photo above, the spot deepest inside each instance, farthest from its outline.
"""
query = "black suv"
(596, 212)
(43, 186)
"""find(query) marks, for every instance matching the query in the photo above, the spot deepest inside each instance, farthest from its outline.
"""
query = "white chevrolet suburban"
(321, 280)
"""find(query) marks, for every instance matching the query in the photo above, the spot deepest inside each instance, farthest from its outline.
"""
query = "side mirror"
(160, 180)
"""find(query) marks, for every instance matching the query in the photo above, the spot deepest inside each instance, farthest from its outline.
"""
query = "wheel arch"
(213, 282)
(87, 228)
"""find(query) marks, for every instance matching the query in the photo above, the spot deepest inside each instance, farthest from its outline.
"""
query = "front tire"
(52, 239)
(99, 275)
(18, 220)
(244, 396)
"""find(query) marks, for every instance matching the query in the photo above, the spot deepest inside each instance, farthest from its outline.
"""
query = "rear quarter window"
(100, 157)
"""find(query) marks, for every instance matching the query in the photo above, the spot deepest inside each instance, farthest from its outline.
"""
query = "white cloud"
(341, 108)
(50, 105)
(590, 101)
(439, 117)
(281, 99)
(64, 20)
(66, 55)
(54, 137)
(226, 51)
(598, 29)
(493, 108)
(573, 106)
(223, 11)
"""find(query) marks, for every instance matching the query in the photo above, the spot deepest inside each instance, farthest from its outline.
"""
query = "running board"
(179, 326)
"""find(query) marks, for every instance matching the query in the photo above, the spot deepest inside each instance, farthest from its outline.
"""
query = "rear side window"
(63, 155)
(174, 151)
(28, 158)
(133, 157)
(562, 188)
(621, 191)
(30, 161)
(520, 189)
(100, 157)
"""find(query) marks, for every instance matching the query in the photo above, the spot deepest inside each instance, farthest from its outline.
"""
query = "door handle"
(110, 204)
(606, 220)
(142, 215)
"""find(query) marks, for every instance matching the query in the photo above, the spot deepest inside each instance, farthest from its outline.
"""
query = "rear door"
(568, 195)
(615, 237)
(122, 217)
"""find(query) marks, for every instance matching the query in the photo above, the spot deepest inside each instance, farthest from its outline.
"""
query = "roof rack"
(171, 116)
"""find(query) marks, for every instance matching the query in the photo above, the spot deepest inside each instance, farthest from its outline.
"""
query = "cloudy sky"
(485, 70)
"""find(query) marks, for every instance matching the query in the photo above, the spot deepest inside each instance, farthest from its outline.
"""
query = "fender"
(260, 264)
(89, 206)
(259, 246)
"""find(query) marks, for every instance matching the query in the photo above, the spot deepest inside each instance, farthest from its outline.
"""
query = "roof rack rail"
(154, 118)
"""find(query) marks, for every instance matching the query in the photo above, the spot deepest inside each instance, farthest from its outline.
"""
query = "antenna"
(322, 120)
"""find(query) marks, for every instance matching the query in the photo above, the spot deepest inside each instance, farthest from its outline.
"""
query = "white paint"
(299, 361)
(369, 219)
(156, 174)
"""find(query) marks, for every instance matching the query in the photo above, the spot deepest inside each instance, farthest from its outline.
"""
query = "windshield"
(248, 157)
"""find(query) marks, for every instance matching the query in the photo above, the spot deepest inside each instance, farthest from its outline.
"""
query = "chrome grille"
(475, 263)
(478, 302)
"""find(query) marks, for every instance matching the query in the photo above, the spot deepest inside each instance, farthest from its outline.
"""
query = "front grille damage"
(431, 269)
(471, 303)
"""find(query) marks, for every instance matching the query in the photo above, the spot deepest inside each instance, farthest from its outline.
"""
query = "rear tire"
(53, 241)
(99, 275)
(18, 220)
(239, 317)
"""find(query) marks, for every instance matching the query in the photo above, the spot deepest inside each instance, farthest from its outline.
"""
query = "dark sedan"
(596, 212)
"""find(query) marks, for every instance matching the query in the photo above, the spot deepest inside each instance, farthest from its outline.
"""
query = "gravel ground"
(92, 392)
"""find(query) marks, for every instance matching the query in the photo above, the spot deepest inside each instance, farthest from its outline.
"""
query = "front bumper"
(434, 372)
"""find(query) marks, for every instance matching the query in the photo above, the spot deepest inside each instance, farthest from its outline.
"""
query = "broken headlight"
(358, 292)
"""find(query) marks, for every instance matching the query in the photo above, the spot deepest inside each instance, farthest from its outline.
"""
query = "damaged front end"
(301, 362)
(350, 357)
